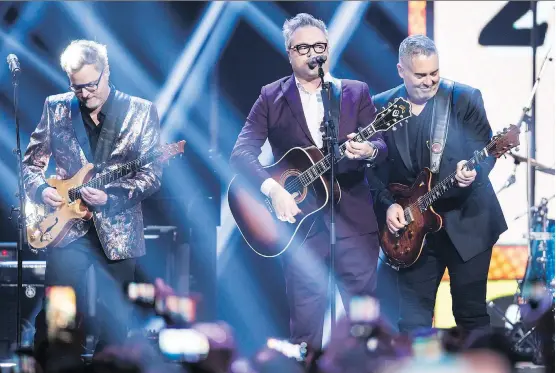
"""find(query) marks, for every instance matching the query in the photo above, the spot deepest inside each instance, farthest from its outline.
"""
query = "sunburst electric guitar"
(404, 247)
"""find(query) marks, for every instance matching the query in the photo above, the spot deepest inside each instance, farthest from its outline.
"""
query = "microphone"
(13, 63)
(317, 60)
(511, 179)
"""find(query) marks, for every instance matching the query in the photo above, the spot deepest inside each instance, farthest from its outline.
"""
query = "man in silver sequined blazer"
(95, 123)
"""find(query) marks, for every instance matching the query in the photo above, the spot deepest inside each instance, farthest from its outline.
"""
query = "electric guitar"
(404, 247)
(301, 171)
(47, 226)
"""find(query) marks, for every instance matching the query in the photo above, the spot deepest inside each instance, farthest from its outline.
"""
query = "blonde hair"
(84, 52)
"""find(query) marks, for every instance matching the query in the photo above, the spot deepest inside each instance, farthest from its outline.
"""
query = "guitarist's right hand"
(283, 203)
(51, 197)
(395, 219)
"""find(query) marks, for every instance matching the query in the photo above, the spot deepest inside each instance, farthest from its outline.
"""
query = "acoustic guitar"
(301, 171)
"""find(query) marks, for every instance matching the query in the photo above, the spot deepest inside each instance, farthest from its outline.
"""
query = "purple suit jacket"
(278, 115)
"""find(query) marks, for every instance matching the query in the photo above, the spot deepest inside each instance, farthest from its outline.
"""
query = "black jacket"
(471, 216)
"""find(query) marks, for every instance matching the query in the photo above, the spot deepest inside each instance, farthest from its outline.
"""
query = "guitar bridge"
(268, 205)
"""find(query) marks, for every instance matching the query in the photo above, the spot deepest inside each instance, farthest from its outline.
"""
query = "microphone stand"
(330, 138)
(21, 209)
(525, 118)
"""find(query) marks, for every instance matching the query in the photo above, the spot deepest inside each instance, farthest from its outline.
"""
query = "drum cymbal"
(539, 166)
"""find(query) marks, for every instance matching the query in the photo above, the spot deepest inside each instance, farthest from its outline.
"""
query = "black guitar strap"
(111, 127)
(441, 119)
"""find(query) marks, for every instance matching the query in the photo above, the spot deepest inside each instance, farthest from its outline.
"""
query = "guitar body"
(53, 228)
(50, 225)
(404, 249)
(255, 216)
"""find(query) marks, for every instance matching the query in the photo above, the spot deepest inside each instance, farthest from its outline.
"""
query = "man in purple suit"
(289, 113)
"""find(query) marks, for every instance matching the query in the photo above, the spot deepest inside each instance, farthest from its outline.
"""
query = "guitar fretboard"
(322, 166)
(425, 201)
(113, 175)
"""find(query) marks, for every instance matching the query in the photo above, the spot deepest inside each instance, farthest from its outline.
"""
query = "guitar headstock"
(394, 113)
(171, 150)
(504, 141)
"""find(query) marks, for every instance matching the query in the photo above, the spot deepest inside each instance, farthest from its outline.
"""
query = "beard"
(91, 103)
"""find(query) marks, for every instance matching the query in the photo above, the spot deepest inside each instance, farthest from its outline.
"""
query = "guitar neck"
(113, 175)
(449, 182)
(322, 166)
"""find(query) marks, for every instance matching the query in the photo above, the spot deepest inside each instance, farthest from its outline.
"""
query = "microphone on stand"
(511, 179)
(317, 60)
(13, 63)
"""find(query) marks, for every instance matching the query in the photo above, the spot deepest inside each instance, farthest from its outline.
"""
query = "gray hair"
(416, 45)
(301, 20)
(84, 52)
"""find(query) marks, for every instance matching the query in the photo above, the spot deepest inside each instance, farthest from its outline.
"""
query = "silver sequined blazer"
(61, 135)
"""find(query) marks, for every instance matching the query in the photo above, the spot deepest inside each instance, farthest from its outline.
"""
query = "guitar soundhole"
(292, 184)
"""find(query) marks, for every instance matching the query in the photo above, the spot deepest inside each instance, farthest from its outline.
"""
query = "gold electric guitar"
(47, 226)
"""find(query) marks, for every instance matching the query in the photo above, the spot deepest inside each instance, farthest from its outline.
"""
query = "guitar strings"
(75, 193)
(298, 183)
(447, 180)
(367, 132)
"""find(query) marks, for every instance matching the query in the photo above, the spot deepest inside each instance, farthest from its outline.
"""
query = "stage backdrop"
(487, 45)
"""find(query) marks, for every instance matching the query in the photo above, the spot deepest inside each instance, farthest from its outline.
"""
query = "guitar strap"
(111, 128)
(441, 119)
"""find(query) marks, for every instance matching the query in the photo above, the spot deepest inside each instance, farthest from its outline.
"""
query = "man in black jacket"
(472, 217)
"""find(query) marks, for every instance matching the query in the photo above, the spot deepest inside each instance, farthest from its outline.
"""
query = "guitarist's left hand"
(359, 150)
(94, 197)
(463, 176)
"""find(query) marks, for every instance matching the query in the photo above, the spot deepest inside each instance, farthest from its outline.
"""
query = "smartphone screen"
(295, 351)
(141, 293)
(179, 309)
(364, 309)
(60, 311)
(184, 345)
(428, 346)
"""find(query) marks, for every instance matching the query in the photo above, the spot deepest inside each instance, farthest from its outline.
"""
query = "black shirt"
(418, 135)
(93, 131)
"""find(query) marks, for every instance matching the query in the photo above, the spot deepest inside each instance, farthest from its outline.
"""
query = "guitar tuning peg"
(394, 128)
(401, 124)
(517, 149)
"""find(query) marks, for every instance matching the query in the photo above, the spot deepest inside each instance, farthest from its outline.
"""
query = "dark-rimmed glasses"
(303, 49)
(91, 87)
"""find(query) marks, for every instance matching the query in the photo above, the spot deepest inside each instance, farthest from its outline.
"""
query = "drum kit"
(535, 292)
(539, 271)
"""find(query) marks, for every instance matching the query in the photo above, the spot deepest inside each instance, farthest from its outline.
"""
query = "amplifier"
(33, 272)
(166, 258)
(31, 300)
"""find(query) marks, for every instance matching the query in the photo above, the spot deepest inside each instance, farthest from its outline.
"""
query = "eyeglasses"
(303, 49)
(91, 87)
